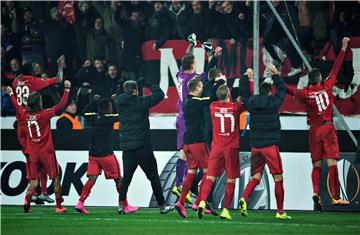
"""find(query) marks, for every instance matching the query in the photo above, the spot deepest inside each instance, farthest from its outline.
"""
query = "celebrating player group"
(207, 135)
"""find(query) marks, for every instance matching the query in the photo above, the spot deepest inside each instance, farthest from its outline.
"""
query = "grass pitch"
(44, 220)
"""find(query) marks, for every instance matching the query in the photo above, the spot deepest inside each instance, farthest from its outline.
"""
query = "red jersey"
(26, 84)
(39, 139)
(225, 121)
(318, 98)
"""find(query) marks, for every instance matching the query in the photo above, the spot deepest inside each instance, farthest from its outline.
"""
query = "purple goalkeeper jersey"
(183, 79)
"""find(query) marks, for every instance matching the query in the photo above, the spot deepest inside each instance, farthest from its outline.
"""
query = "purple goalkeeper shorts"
(180, 130)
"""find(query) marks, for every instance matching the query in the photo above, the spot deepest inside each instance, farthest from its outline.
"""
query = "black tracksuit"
(135, 140)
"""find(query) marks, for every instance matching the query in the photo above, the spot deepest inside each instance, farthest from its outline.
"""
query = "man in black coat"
(264, 136)
(135, 139)
(159, 25)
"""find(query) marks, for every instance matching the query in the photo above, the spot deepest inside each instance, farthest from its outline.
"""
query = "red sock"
(250, 188)
(186, 187)
(229, 194)
(43, 184)
(28, 198)
(198, 198)
(207, 185)
(35, 193)
(315, 176)
(279, 194)
(86, 191)
(59, 200)
(334, 181)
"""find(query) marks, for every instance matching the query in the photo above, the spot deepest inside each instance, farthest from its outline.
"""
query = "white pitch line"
(82, 218)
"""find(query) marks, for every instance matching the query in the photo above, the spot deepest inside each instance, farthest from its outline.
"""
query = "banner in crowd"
(162, 65)
(297, 182)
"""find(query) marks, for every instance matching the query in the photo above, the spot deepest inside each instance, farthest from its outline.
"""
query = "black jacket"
(264, 113)
(159, 27)
(134, 118)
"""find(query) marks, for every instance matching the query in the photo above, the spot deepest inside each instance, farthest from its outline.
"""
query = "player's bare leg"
(29, 192)
(335, 185)
(315, 177)
(58, 196)
(255, 180)
(85, 194)
(127, 208)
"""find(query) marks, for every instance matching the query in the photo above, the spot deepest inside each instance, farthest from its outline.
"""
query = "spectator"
(199, 20)
(57, 31)
(107, 11)
(32, 39)
(93, 78)
(85, 18)
(217, 21)
(275, 35)
(115, 81)
(67, 120)
(98, 42)
(6, 106)
(9, 13)
(159, 28)
(305, 29)
(133, 37)
(180, 13)
(10, 42)
(15, 70)
(238, 24)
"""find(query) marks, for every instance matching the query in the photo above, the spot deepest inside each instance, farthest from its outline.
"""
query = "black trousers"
(284, 44)
(143, 157)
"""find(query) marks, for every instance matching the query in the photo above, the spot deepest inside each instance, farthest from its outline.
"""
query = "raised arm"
(64, 98)
(280, 90)
(21, 111)
(337, 65)
(155, 98)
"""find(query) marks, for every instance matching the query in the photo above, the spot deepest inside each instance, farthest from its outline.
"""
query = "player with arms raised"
(23, 85)
(323, 142)
(39, 142)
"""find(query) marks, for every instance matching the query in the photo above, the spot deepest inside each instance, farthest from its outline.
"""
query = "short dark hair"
(27, 69)
(193, 83)
(33, 102)
(104, 105)
(265, 88)
(130, 86)
(222, 92)
(314, 76)
(214, 73)
(187, 61)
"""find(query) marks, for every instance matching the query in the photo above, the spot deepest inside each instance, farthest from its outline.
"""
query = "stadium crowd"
(102, 41)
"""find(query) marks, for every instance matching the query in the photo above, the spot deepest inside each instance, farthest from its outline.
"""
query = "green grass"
(43, 220)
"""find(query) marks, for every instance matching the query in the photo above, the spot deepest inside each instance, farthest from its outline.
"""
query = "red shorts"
(268, 155)
(41, 164)
(22, 136)
(323, 142)
(196, 155)
(109, 164)
(221, 158)
(41, 172)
